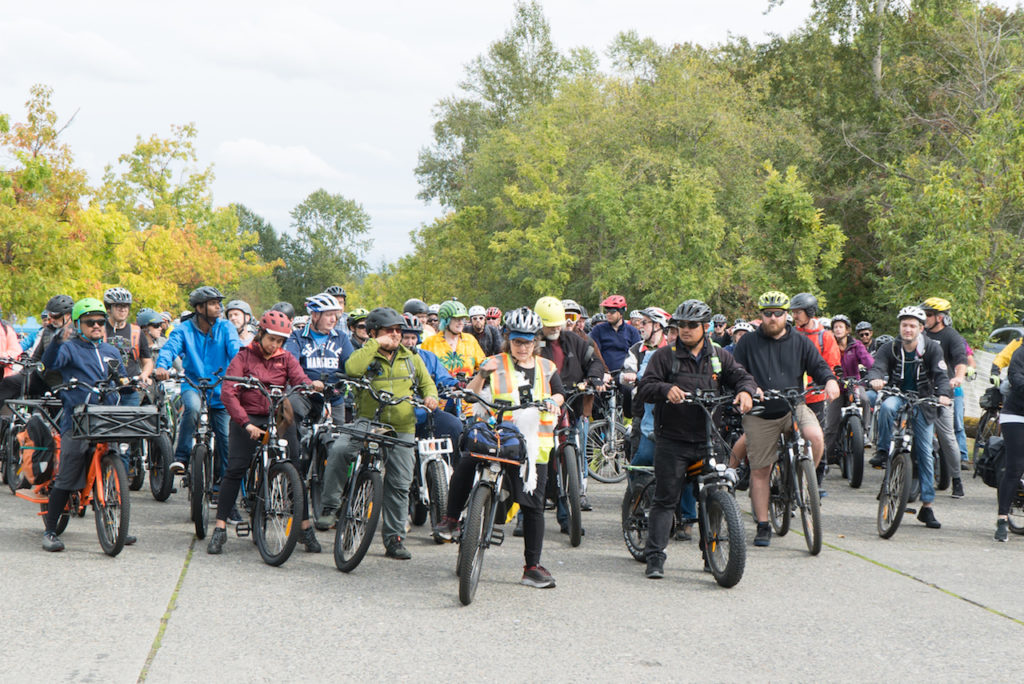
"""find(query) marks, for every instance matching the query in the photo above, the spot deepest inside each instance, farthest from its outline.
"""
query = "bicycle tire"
(778, 499)
(810, 509)
(988, 426)
(277, 522)
(636, 511)
(137, 472)
(437, 491)
(853, 445)
(471, 562)
(197, 490)
(12, 461)
(113, 514)
(571, 478)
(606, 454)
(725, 541)
(941, 471)
(1015, 519)
(316, 480)
(895, 493)
(418, 511)
(161, 482)
(358, 522)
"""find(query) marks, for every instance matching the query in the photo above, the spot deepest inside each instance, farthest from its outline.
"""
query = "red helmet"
(276, 323)
(614, 302)
(494, 312)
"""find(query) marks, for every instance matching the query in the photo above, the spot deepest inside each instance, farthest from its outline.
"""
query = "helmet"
(842, 318)
(276, 323)
(912, 312)
(434, 308)
(477, 311)
(148, 317)
(742, 326)
(718, 318)
(551, 312)
(738, 321)
(805, 301)
(885, 339)
(863, 325)
(285, 308)
(494, 312)
(598, 318)
(240, 306)
(635, 313)
(826, 322)
(59, 305)
(657, 315)
(204, 294)
(936, 304)
(412, 324)
(383, 317)
(322, 302)
(89, 305)
(614, 302)
(453, 308)
(773, 299)
(570, 306)
(336, 291)
(522, 321)
(117, 295)
(300, 321)
(166, 315)
(414, 306)
(692, 310)
(356, 315)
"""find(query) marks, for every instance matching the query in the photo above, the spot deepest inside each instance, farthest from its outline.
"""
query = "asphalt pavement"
(941, 605)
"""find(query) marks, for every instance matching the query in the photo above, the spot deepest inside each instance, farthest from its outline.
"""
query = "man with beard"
(487, 336)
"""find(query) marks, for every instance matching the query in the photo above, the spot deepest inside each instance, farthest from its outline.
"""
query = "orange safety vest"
(503, 389)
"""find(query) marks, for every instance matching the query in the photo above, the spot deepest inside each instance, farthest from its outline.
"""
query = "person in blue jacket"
(77, 352)
(206, 343)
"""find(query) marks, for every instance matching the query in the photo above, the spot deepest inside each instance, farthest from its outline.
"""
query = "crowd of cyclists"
(445, 356)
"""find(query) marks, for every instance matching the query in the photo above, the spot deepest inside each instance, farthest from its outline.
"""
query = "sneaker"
(927, 516)
(1002, 530)
(655, 568)
(537, 576)
(743, 477)
(214, 500)
(447, 528)
(177, 467)
(958, 488)
(684, 533)
(585, 503)
(130, 539)
(327, 519)
(51, 542)
(878, 460)
(308, 539)
(764, 534)
(217, 539)
(964, 465)
(234, 517)
(822, 493)
(518, 532)
(564, 528)
(397, 550)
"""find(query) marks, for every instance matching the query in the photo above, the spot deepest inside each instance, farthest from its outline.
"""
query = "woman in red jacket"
(264, 359)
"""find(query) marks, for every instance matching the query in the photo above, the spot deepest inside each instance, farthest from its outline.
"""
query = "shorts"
(763, 434)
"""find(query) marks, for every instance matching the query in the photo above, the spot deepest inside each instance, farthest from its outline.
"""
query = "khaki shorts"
(763, 434)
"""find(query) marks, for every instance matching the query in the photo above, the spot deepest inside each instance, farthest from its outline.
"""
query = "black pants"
(532, 505)
(240, 451)
(75, 459)
(671, 459)
(1013, 436)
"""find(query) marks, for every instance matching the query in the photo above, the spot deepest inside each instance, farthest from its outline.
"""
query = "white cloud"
(50, 49)
(292, 161)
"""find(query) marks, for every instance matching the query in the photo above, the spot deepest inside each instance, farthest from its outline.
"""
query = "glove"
(971, 373)
(730, 474)
(995, 380)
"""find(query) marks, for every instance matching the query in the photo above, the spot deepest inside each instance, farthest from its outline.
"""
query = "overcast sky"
(290, 97)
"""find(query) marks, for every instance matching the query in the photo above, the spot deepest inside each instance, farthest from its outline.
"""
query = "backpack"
(992, 461)
(38, 450)
(991, 399)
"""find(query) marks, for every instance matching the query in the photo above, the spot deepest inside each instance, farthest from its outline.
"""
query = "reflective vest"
(136, 332)
(504, 388)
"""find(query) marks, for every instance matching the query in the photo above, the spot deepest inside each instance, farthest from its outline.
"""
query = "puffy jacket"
(280, 369)
(614, 344)
(203, 355)
(87, 361)
(825, 342)
(403, 376)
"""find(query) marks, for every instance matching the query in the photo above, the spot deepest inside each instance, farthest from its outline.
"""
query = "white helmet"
(523, 320)
(742, 327)
(434, 308)
(477, 311)
(912, 312)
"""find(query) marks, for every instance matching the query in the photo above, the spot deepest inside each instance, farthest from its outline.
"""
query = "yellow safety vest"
(503, 388)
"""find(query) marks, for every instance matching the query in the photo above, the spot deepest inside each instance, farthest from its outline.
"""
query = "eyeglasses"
(520, 342)
(689, 324)
(93, 322)
(773, 314)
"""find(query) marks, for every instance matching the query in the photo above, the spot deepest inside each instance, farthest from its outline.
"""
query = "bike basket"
(991, 399)
(503, 443)
(435, 447)
(114, 423)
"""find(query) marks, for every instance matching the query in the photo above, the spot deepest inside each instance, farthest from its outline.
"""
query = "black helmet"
(885, 339)
(383, 317)
(718, 318)
(336, 291)
(863, 325)
(415, 306)
(691, 310)
(285, 308)
(59, 305)
(805, 301)
(204, 294)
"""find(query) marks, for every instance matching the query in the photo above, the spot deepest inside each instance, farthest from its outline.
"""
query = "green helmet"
(87, 306)
(453, 308)
(773, 299)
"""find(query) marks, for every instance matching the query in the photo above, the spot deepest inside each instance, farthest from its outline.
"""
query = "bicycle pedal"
(497, 537)
(242, 529)
(910, 511)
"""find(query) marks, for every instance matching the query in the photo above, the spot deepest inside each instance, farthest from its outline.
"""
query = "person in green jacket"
(391, 368)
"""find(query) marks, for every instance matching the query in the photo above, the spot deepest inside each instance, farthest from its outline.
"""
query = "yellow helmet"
(936, 304)
(551, 312)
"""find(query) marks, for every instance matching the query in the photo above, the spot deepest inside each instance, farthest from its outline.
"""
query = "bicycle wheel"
(110, 503)
(892, 500)
(725, 544)
(940, 469)
(571, 478)
(316, 480)
(636, 509)
(606, 451)
(418, 511)
(197, 490)
(136, 469)
(810, 505)
(853, 451)
(437, 491)
(12, 462)
(160, 454)
(778, 499)
(278, 517)
(1016, 516)
(474, 534)
(358, 521)
(988, 426)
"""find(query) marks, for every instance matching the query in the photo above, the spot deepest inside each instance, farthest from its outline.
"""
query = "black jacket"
(489, 340)
(580, 362)
(1014, 404)
(932, 380)
(685, 422)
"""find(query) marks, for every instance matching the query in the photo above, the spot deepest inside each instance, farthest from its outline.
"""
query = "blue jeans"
(445, 425)
(645, 457)
(958, 425)
(924, 431)
(219, 421)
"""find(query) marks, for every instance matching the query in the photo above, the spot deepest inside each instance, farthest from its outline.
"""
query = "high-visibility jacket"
(505, 387)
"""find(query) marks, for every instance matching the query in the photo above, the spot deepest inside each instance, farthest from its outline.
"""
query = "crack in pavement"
(171, 605)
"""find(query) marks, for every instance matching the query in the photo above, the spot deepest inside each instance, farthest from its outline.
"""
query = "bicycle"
(272, 491)
(199, 476)
(607, 438)
(157, 453)
(849, 449)
(900, 483)
(429, 493)
(988, 425)
(316, 437)
(792, 482)
(567, 467)
(21, 410)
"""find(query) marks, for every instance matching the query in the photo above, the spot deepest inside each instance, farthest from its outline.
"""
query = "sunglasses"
(360, 326)
(397, 330)
(690, 325)
(93, 322)
(864, 334)
(571, 317)
(773, 314)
